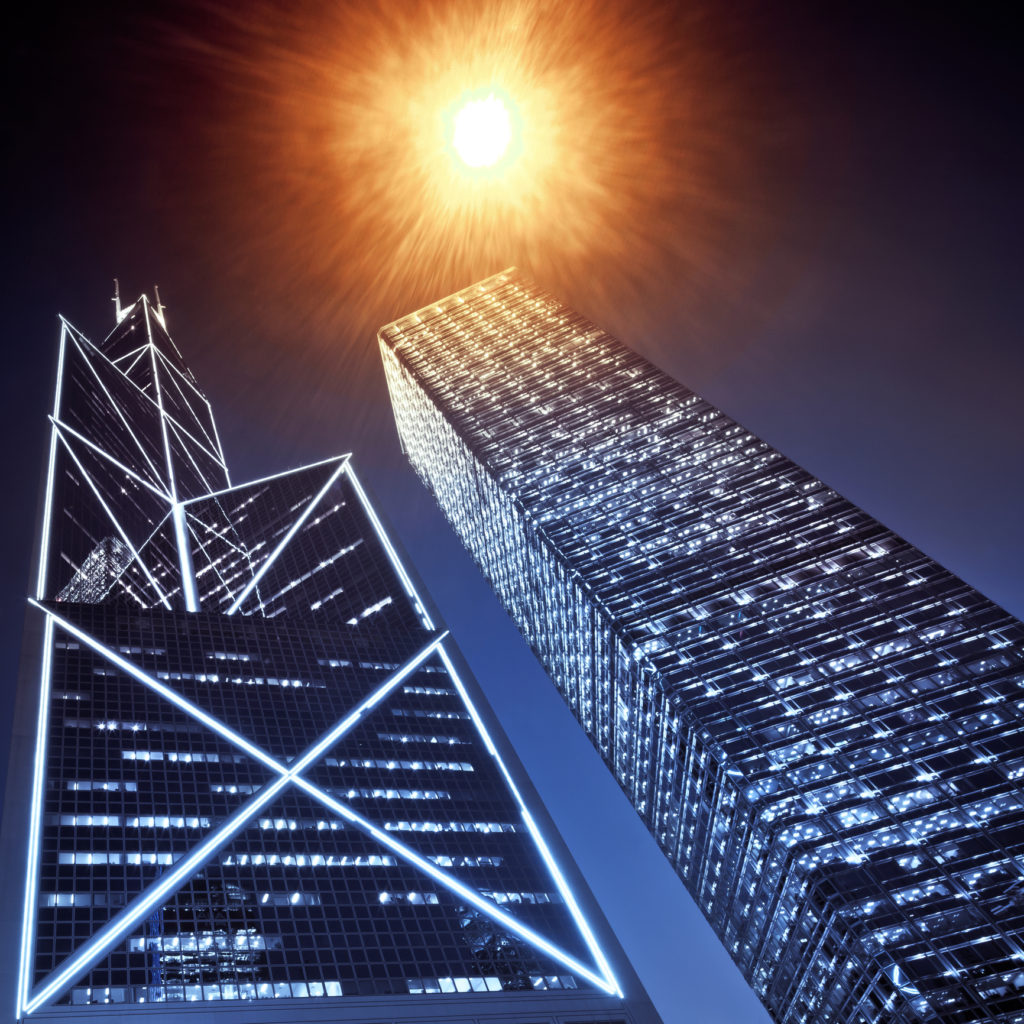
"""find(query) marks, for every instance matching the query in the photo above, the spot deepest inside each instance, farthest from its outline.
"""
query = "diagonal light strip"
(114, 405)
(604, 981)
(131, 366)
(202, 544)
(116, 928)
(459, 888)
(165, 691)
(134, 352)
(296, 526)
(113, 519)
(111, 933)
(611, 984)
(216, 437)
(263, 480)
(183, 446)
(209, 720)
(176, 376)
(167, 335)
(66, 429)
(178, 373)
(554, 870)
(392, 554)
(171, 482)
(188, 580)
(182, 429)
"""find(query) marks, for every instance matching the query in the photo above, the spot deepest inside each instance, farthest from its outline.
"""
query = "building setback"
(253, 778)
(820, 726)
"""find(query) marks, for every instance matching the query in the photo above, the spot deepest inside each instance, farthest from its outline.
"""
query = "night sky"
(809, 213)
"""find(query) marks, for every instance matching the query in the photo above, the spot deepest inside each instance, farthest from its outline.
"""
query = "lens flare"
(482, 131)
(378, 155)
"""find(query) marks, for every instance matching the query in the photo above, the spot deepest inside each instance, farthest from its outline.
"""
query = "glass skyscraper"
(820, 726)
(248, 776)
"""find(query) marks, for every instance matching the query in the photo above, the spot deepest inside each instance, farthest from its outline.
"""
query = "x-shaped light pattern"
(287, 773)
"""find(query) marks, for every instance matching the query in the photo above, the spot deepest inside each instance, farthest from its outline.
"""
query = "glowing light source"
(482, 131)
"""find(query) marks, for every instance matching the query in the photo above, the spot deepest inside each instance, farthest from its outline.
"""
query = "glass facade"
(821, 727)
(258, 772)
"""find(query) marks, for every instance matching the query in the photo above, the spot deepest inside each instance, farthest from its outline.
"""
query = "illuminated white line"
(183, 430)
(167, 334)
(165, 691)
(367, 704)
(183, 446)
(125, 310)
(612, 986)
(113, 932)
(115, 929)
(264, 479)
(219, 534)
(97, 351)
(296, 526)
(188, 580)
(188, 573)
(65, 429)
(203, 542)
(117, 525)
(28, 924)
(216, 437)
(199, 529)
(44, 545)
(459, 888)
(553, 869)
(156, 529)
(114, 405)
(134, 352)
(610, 983)
(392, 554)
(226, 731)
(206, 446)
(178, 373)
(312, 754)
(172, 483)
(133, 363)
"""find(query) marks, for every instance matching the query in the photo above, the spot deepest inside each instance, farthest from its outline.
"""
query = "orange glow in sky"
(394, 153)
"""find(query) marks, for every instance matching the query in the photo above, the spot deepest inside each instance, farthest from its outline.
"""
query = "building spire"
(159, 304)
(117, 301)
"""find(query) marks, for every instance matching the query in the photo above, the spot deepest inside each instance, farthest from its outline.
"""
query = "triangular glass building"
(820, 726)
(248, 775)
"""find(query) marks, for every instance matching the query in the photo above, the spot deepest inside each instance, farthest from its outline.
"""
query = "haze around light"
(365, 171)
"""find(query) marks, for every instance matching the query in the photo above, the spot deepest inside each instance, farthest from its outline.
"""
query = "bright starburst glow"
(395, 152)
(482, 131)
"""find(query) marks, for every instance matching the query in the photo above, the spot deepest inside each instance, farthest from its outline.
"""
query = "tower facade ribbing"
(820, 726)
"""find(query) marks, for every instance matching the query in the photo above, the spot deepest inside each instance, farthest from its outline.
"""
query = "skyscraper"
(251, 776)
(820, 726)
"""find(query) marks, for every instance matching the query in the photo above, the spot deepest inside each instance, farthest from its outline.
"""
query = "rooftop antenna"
(117, 301)
(159, 304)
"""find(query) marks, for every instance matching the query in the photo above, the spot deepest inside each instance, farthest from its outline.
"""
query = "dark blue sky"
(844, 280)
